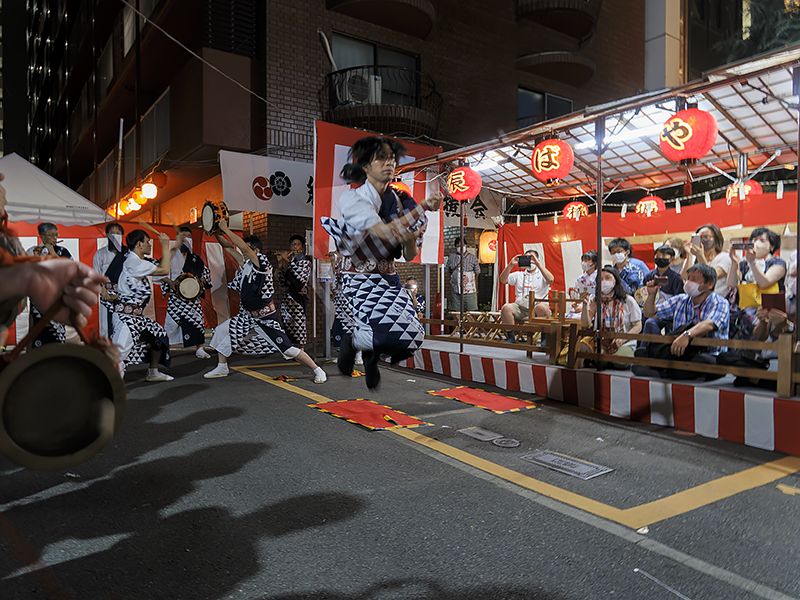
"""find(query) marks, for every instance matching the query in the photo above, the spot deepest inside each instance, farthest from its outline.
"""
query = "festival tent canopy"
(35, 197)
(754, 102)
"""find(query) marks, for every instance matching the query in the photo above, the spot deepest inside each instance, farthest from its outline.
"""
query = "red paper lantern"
(552, 160)
(575, 210)
(159, 178)
(751, 188)
(688, 135)
(650, 205)
(399, 185)
(464, 184)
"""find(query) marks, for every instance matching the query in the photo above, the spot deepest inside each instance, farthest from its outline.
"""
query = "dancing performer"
(135, 335)
(185, 321)
(378, 225)
(101, 262)
(54, 332)
(294, 271)
(256, 329)
(343, 315)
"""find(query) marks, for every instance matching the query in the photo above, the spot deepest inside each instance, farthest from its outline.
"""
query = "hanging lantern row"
(464, 184)
(139, 198)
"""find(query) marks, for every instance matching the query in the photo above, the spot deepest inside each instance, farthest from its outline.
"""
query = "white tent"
(35, 197)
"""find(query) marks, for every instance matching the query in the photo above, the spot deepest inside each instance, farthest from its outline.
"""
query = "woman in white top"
(620, 313)
(710, 253)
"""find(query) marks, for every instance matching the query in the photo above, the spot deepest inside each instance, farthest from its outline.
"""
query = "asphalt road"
(236, 488)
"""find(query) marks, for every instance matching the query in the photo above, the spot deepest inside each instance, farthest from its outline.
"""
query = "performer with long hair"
(378, 225)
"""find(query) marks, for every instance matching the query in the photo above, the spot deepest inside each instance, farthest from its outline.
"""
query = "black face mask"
(662, 262)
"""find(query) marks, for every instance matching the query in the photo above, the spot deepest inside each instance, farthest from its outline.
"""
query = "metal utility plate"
(566, 464)
(484, 435)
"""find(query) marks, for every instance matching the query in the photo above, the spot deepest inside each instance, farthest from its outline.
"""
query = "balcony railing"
(576, 18)
(383, 99)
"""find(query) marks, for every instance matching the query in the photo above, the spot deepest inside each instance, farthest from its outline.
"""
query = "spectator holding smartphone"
(761, 267)
(706, 247)
(535, 278)
(667, 280)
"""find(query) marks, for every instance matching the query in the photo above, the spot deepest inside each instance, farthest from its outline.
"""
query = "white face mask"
(692, 288)
(188, 243)
(115, 239)
(761, 248)
(586, 266)
(619, 258)
(607, 287)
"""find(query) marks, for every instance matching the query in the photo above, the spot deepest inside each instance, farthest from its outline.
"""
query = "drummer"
(294, 270)
(256, 329)
(185, 321)
(53, 333)
(137, 336)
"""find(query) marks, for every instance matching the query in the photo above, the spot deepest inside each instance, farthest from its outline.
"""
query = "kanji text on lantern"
(676, 133)
(545, 158)
(457, 183)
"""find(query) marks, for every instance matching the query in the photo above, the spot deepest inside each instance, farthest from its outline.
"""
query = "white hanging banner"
(263, 184)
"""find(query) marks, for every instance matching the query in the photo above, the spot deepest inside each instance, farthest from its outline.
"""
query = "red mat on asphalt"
(488, 400)
(368, 414)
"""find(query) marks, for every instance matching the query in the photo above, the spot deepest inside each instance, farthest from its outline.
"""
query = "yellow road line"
(282, 384)
(576, 500)
(635, 517)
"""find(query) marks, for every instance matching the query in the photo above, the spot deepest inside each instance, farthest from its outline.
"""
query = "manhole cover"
(506, 442)
(566, 464)
(484, 435)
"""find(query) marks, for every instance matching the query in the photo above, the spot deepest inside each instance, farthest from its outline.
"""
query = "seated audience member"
(584, 284)
(699, 312)
(663, 259)
(631, 270)
(761, 267)
(680, 262)
(790, 283)
(770, 323)
(620, 314)
(416, 298)
(674, 286)
(534, 279)
(710, 253)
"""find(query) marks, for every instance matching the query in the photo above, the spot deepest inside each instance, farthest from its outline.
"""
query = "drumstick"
(148, 227)
(172, 222)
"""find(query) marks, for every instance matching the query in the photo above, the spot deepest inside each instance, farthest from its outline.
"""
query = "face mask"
(607, 287)
(187, 246)
(707, 244)
(662, 262)
(692, 288)
(115, 239)
(761, 249)
(586, 266)
(619, 258)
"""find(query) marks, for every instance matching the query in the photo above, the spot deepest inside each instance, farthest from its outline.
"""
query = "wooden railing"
(560, 331)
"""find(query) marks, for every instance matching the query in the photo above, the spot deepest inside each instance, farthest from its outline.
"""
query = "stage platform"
(751, 416)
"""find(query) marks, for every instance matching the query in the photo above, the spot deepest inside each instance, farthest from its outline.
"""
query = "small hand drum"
(188, 286)
(212, 215)
(60, 404)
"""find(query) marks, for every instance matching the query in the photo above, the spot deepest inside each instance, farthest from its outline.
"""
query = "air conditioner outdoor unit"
(359, 88)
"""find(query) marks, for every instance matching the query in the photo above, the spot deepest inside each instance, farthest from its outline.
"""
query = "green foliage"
(772, 26)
